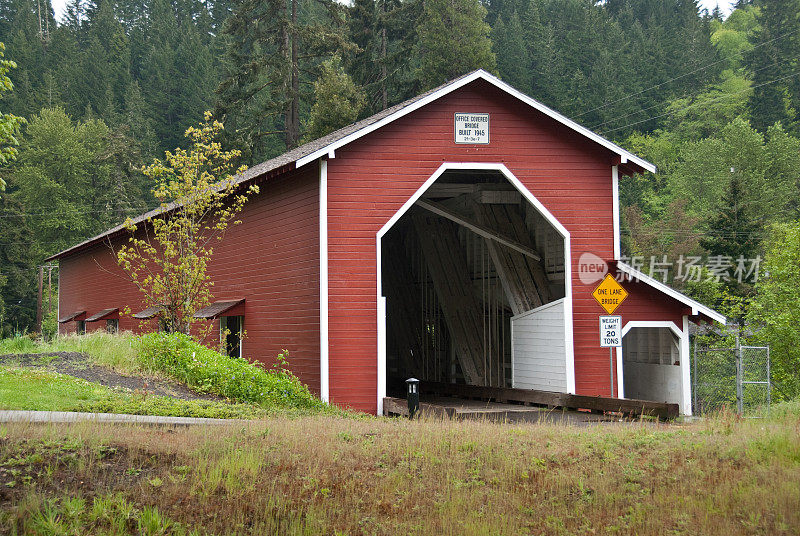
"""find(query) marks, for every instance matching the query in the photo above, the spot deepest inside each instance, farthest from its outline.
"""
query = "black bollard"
(412, 394)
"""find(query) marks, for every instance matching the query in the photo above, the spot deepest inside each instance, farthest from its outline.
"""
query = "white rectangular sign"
(472, 128)
(610, 331)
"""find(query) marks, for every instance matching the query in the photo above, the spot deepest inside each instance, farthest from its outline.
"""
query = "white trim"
(569, 338)
(615, 209)
(513, 364)
(381, 351)
(696, 307)
(652, 324)
(617, 253)
(537, 309)
(620, 374)
(461, 82)
(324, 385)
(685, 403)
(381, 301)
(686, 378)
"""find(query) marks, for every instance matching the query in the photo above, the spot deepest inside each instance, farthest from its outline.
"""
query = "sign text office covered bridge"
(439, 239)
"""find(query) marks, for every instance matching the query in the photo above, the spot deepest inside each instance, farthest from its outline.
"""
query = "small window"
(112, 325)
(230, 332)
(80, 327)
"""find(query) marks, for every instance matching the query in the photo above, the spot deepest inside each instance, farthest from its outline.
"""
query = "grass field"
(330, 472)
(118, 352)
(258, 389)
(332, 475)
(44, 390)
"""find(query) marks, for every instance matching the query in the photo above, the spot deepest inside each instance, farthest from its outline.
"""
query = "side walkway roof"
(696, 307)
(327, 145)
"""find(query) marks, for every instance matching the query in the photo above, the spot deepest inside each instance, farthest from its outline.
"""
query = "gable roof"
(696, 307)
(327, 145)
(357, 130)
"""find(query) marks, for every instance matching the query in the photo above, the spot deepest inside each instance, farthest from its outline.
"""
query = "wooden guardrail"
(399, 406)
(552, 399)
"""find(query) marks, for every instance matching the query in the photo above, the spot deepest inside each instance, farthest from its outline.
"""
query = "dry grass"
(329, 475)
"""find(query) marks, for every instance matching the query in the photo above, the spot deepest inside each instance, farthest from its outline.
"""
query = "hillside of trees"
(713, 101)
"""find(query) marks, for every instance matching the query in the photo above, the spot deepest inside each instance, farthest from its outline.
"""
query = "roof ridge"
(306, 153)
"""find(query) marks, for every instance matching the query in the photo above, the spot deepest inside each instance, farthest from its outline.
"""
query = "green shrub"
(20, 344)
(184, 359)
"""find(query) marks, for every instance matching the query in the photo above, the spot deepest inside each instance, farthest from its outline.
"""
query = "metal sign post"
(611, 337)
(609, 295)
(611, 369)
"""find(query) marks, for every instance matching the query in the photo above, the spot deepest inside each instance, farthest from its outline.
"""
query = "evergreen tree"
(74, 15)
(27, 41)
(17, 267)
(363, 63)
(337, 101)
(105, 73)
(666, 53)
(732, 231)
(513, 60)
(397, 26)
(139, 123)
(453, 39)
(544, 56)
(269, 47)
(177, 74)
(773, 64)
(382, 32)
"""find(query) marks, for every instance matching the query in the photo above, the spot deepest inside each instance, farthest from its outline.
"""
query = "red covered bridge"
(442, 238)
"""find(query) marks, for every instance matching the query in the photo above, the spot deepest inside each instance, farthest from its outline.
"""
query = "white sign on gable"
(610, 331)
(472, 128)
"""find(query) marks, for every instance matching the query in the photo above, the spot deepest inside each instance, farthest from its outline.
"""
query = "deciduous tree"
(9, 123)
(167, 256)
(776, 306)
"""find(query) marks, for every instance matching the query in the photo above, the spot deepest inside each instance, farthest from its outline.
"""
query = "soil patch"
(52, 468)
(80, 366)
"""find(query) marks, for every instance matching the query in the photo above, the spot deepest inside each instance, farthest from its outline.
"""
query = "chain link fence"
(755, 391)
(737, 378)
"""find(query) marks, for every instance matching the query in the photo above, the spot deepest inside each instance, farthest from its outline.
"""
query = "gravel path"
(80, 366)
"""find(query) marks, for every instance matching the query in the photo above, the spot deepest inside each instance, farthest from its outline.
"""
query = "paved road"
(110, 418)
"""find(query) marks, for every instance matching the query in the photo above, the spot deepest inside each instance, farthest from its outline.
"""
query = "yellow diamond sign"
(609, 294)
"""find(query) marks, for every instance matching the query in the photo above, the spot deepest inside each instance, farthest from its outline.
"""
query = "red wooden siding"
(643, 303)
(370, 179)
(271, 260)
